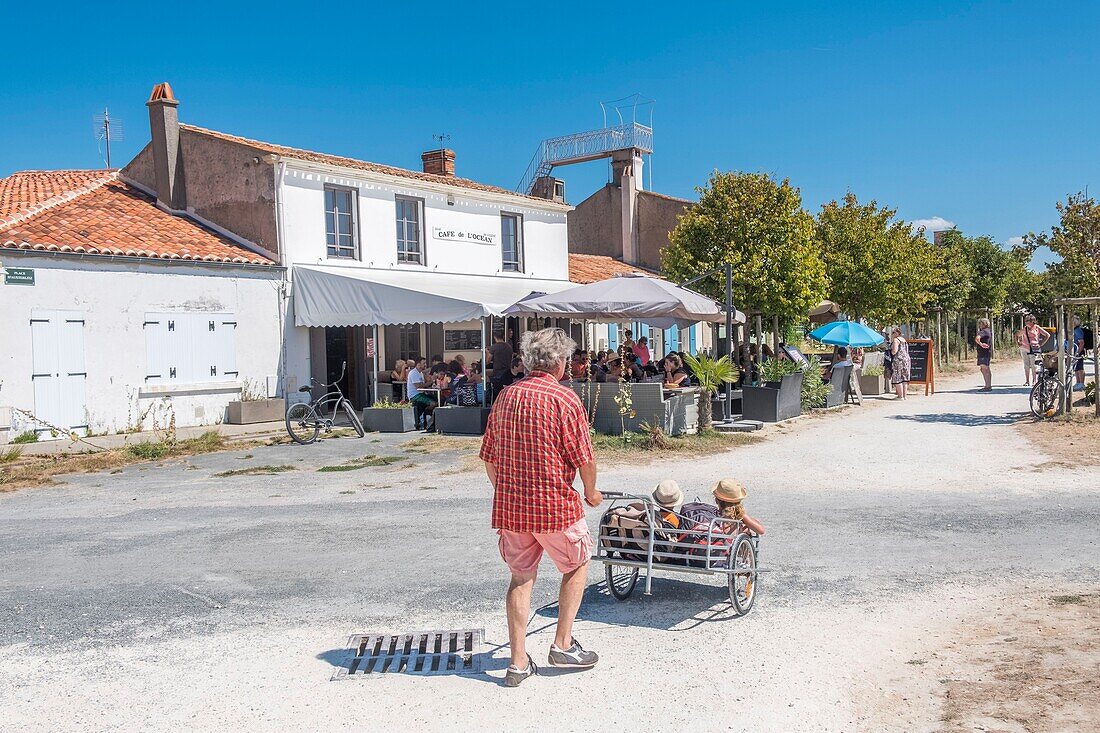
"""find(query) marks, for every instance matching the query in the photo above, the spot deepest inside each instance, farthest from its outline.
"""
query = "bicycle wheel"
(302, 424)
(1046, 398)
(621, 580)
(356, 423)
(742, 581)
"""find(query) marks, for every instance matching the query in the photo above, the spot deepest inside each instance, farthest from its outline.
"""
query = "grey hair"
(545, 350)
(983, 323)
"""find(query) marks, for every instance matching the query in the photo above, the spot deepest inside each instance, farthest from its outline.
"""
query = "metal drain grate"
(418, 652)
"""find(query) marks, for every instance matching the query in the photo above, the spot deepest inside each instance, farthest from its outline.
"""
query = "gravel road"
(168, 596)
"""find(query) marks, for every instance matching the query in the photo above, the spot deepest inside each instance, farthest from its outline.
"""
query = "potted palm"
(710, 374)
(387, 416)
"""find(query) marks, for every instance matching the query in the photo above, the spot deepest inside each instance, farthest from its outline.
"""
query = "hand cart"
(721, 546)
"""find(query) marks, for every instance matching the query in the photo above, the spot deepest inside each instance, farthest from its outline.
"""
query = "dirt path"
(906, 544)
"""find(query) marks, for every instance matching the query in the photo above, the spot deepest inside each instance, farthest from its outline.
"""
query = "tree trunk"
(706, 410)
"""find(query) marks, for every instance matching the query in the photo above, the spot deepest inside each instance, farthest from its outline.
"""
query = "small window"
(511, 240)
(559, 190)
(340, 226)
(410, 243)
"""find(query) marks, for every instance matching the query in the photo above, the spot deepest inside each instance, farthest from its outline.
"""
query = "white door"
(58, 376)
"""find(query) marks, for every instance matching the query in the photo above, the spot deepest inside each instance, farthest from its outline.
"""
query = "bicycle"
(304, 420)
(1048, 396)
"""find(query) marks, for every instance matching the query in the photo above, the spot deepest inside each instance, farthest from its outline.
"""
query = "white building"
(118, 315)
(428, 257)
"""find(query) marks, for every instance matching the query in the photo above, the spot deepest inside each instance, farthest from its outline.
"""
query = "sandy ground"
(925, 568)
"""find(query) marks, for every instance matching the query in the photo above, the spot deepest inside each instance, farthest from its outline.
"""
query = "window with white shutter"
(184, 348)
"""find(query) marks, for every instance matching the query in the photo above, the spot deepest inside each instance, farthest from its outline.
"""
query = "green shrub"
(148, 449)
(814, 390)
(874, 371)
(10, 455)
(28, 437)
(387, 404)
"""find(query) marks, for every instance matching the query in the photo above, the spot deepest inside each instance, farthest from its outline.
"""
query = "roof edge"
(109, 174)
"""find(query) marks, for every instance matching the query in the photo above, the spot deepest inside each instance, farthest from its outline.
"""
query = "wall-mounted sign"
(461, 235)
(19, 276)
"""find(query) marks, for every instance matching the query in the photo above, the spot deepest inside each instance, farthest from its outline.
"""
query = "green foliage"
(814, 390)
(878, 268)
(758, 226)
(23, 438)
(387, 404)
(10, 455)
(773, 370)
(149, 449)
(1076, 239)
(874, 371)
(710, 374)
(955, 279)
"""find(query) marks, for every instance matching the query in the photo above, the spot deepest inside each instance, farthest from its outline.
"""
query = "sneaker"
(514, 676)
(1079, 387)
(575, 657)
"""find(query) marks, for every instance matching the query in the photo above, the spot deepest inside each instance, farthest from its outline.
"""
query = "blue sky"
(983, 114)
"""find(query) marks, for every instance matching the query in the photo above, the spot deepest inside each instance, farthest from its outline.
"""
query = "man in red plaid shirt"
(535, 444)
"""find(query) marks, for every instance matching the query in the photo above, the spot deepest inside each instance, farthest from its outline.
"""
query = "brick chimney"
(439, 162)
(164, 128)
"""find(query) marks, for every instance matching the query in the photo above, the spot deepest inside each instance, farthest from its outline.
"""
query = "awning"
(361, 296)
(628, 297)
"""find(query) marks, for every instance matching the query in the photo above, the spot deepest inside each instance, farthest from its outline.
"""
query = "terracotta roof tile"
(93, 212)
(337, 160)
(585, 269)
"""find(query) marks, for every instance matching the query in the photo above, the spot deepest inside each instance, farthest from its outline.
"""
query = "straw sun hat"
(669, 495)
(729, 489)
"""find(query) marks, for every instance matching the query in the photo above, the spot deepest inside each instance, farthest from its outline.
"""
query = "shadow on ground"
(965, 419)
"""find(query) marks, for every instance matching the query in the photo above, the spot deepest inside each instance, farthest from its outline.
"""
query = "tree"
(1076, 239)
(877, 266)
(710, 374)
(954, 275)
(757, 225)
(989, 267)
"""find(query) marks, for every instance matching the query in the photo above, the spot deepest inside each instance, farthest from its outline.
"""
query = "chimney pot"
(439, 162)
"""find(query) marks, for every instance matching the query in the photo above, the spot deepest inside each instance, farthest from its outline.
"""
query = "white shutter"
(44, 366)
(227, 346)
(204, 334)
(156, 348)
(71, 363)
(178, 348)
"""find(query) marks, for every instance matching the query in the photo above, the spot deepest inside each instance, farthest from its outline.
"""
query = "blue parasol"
(846, 333)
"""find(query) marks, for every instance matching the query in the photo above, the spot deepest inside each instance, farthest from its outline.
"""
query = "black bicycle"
(1048, 396)
(305, 420)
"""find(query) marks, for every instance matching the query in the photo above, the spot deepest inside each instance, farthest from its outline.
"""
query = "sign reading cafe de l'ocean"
(459, 235)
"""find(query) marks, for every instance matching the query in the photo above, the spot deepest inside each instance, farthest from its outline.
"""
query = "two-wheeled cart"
(646, 541)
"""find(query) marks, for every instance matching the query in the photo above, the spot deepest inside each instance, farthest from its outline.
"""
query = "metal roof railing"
(583, 146)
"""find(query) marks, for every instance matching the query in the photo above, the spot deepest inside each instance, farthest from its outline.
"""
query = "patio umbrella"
(824, 312)
(846, 333)
(627, 297)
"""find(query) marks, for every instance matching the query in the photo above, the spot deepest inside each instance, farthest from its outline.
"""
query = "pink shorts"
(569, 549)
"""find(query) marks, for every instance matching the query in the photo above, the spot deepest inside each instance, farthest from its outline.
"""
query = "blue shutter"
(612, 336)
(691, 340)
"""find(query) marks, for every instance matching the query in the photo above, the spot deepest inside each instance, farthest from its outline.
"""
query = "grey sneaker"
(575, 657)
(514, 676)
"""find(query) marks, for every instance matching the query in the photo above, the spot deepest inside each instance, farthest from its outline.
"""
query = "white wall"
(546, 250)
(114, 297)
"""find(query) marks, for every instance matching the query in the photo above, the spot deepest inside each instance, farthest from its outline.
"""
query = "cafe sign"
(19, 276)
(462, 235)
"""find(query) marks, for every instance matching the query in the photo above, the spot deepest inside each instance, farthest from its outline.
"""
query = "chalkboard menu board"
(462, 339)
(922, 370)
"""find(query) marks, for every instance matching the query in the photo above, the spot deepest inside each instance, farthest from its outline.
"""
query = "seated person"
(668, 495)
(675, 374)
(478, 380)
(507, 376)
(578, 367)
(613, 373)
(425, 402)
(463, 391)
(728, 494)
(840, 359)
(632, 371)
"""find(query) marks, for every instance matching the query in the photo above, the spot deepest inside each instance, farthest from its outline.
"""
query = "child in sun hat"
(728, 494)
(671, 498)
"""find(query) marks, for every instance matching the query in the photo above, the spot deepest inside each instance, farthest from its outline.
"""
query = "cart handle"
(623, 495)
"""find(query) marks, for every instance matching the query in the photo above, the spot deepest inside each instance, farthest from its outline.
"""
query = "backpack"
(1088, 338)
(624, 531)
(698, 512)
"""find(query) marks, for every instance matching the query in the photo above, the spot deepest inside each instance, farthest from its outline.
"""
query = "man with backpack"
(535, 444)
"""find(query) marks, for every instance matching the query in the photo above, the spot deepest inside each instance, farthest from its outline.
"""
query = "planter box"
(872, 385)
(768, 404)
(389, 420)
(253, 411)
(453, 420)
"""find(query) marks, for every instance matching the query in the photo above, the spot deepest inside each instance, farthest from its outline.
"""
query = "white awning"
(361, 296)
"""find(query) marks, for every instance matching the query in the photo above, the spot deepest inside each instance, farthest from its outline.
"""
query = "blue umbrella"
(846, 333)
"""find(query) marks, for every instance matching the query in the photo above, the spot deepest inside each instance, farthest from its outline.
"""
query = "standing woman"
(984, 341)
(899, 372)
(1025, 354)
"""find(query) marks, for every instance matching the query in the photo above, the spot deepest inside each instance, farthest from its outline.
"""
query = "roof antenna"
(442, 138)
(106, 129)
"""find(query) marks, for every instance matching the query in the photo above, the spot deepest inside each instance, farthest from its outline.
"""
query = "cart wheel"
(621, 580)
(742, 581)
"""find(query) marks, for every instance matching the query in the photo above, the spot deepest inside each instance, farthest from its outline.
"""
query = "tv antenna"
(442, 138)
(106, 129)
